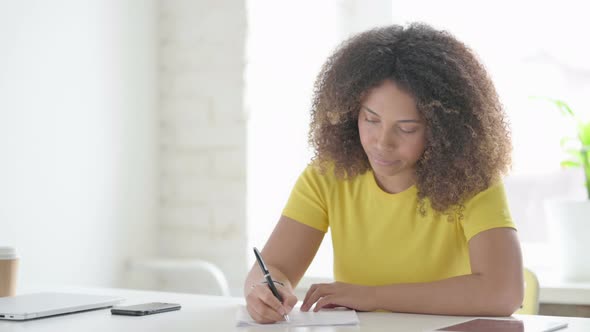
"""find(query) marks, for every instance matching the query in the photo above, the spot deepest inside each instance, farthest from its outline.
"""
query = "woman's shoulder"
(491, 198)
(494, 190)
(324, 177)
(319, 173)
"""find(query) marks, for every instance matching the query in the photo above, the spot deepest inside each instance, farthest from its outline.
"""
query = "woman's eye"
(371, 120)
(408, 130)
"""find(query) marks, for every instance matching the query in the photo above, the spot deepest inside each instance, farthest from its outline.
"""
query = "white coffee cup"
(8, 271)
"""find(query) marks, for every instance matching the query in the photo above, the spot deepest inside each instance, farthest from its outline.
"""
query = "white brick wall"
(203, 133)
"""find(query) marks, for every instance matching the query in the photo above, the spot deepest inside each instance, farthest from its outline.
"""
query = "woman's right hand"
(264, 307)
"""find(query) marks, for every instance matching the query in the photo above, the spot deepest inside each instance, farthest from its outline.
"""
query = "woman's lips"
(382, 162)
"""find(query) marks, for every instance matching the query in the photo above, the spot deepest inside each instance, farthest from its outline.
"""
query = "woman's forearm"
(463, 295)
(255, 276)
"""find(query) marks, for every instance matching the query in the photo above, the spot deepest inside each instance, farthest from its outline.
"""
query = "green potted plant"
(569, 220)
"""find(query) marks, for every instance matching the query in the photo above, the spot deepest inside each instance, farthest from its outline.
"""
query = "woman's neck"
(396, 183)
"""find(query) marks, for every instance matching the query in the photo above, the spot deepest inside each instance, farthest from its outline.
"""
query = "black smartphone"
(144, 309)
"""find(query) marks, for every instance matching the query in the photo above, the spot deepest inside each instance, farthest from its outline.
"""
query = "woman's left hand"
(338, 294)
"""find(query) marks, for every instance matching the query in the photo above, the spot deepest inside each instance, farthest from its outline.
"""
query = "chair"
(181, 275)
(530, 303)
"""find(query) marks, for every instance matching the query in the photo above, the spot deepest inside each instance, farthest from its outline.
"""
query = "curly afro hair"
(468, 145)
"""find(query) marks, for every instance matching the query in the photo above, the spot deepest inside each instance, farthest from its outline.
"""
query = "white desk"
(212, 313)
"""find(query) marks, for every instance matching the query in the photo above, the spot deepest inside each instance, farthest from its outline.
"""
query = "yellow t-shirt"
(381, 238)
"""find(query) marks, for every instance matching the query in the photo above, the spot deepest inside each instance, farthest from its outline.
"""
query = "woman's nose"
(386, 140)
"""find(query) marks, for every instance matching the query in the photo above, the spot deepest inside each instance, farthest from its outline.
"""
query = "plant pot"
(568, 223)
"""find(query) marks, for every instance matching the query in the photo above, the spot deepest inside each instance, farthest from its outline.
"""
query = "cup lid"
(7, 252)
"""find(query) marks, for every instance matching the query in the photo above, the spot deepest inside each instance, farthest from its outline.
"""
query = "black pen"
(269, 280)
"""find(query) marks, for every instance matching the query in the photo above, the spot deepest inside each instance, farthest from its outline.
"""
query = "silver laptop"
(38, 305)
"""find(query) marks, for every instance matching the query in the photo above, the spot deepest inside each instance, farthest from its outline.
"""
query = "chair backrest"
(530, 304)
(179, 275)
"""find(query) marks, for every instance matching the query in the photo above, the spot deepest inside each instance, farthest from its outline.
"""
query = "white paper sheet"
(326, 317)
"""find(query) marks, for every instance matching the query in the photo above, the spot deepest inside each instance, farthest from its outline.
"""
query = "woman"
(410, 145)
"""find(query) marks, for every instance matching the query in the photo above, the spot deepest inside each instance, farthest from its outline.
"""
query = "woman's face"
(391, 131)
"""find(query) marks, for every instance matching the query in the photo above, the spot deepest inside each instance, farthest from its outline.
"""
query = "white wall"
(203, 135)
(78, 138)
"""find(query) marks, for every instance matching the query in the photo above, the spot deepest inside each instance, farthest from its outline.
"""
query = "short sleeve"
(307, 202)
(486, 210)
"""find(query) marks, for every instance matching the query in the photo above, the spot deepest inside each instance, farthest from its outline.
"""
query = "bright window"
(529, 48)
